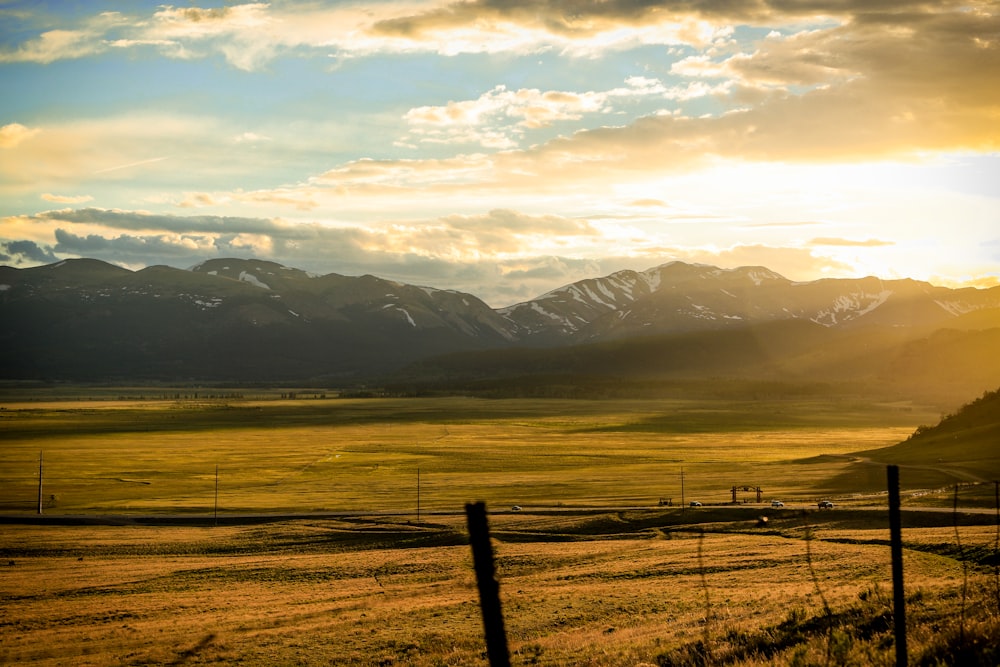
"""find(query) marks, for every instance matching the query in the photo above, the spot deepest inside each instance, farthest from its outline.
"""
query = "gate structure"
(736, 489)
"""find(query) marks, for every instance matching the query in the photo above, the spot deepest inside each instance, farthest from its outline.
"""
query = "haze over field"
(504, 148)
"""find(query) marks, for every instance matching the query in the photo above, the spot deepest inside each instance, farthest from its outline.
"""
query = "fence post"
(896, 545)
(489, 589)
(39, 482)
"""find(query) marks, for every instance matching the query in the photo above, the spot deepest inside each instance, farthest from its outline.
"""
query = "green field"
(126, 456)
(592, 570)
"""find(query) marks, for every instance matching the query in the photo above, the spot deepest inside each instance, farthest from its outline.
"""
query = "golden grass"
(580, 587)
(308, 592)
(363, 455)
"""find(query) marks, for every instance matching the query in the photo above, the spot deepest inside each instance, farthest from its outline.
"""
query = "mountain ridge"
(255, 320)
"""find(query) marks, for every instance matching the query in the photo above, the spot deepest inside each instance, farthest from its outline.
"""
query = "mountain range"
(247, 320)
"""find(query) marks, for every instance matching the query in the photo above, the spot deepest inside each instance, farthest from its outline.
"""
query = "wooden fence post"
(896, 545)
(489, 589)
(39, 482)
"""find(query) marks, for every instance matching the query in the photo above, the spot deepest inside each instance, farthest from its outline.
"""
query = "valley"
(333, 532)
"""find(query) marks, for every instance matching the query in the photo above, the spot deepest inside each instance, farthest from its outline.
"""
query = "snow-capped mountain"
(678, 297)
(238, 319)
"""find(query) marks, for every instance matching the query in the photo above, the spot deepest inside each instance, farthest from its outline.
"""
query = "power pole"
(216, 494)
(418, 493)
(683, 504)
(39, 482)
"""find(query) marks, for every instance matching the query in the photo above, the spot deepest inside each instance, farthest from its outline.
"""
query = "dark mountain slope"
(963, 446)
(87, 320)
(943, 368)
(254, 320)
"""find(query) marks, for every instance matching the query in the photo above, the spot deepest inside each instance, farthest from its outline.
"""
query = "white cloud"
(13, 134)
(500, 117)
(67, 199)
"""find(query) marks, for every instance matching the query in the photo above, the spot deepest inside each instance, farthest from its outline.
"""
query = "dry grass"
(579, 586)
(609, 589)
(363, 455)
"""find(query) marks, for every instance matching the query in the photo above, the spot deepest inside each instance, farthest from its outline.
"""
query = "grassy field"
(142, 456)
(592, 571)
(653, 587)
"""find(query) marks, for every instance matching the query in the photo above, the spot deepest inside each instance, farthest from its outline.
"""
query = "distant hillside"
(248, 320)
(944, 368)
(963, 446)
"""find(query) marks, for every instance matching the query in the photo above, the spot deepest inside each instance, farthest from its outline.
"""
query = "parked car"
(515, 508)
(695, 503)
(777, 503)
(825, 505)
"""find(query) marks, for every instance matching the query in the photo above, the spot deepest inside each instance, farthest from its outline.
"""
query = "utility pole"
(216, 494)
(418, 493)
(683, 504)
(39, 482)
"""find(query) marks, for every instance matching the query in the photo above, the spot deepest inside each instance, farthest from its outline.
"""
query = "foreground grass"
(652, 587)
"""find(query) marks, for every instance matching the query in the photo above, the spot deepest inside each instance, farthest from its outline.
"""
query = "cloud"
(164, 149)
(14, 133)
(55, 45)
(499, 117)
(457, 237)
(17, 253)
(502, 255)
(870, 243)
(250, 35)
(137, 221)
(583, 28)
(649, 203)
(87, 39)
(66, 199)
(467, 252)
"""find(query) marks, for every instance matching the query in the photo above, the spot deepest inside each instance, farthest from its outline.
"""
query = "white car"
(695, 503)
(777, 503)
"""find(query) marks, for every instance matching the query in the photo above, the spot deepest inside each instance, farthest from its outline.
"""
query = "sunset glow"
(505, 147)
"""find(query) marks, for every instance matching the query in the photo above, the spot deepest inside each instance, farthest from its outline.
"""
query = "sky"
(506, 147)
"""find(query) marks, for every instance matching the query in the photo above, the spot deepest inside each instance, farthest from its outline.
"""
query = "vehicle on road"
(777, 503)
(695, 503)
(825, 505)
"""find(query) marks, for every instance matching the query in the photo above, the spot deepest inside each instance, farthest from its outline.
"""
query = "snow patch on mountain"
(956, 308)
(651, 278)
(594, 297)
(409, 319)
(553, 316)
(252, 279)
(851, 306)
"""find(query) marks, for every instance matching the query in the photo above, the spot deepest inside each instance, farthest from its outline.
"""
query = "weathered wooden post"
(489, 589)
(896, 546)
(39, 482)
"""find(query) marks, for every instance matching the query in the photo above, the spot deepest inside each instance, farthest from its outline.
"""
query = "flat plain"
(593, 570)
(137, 456)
